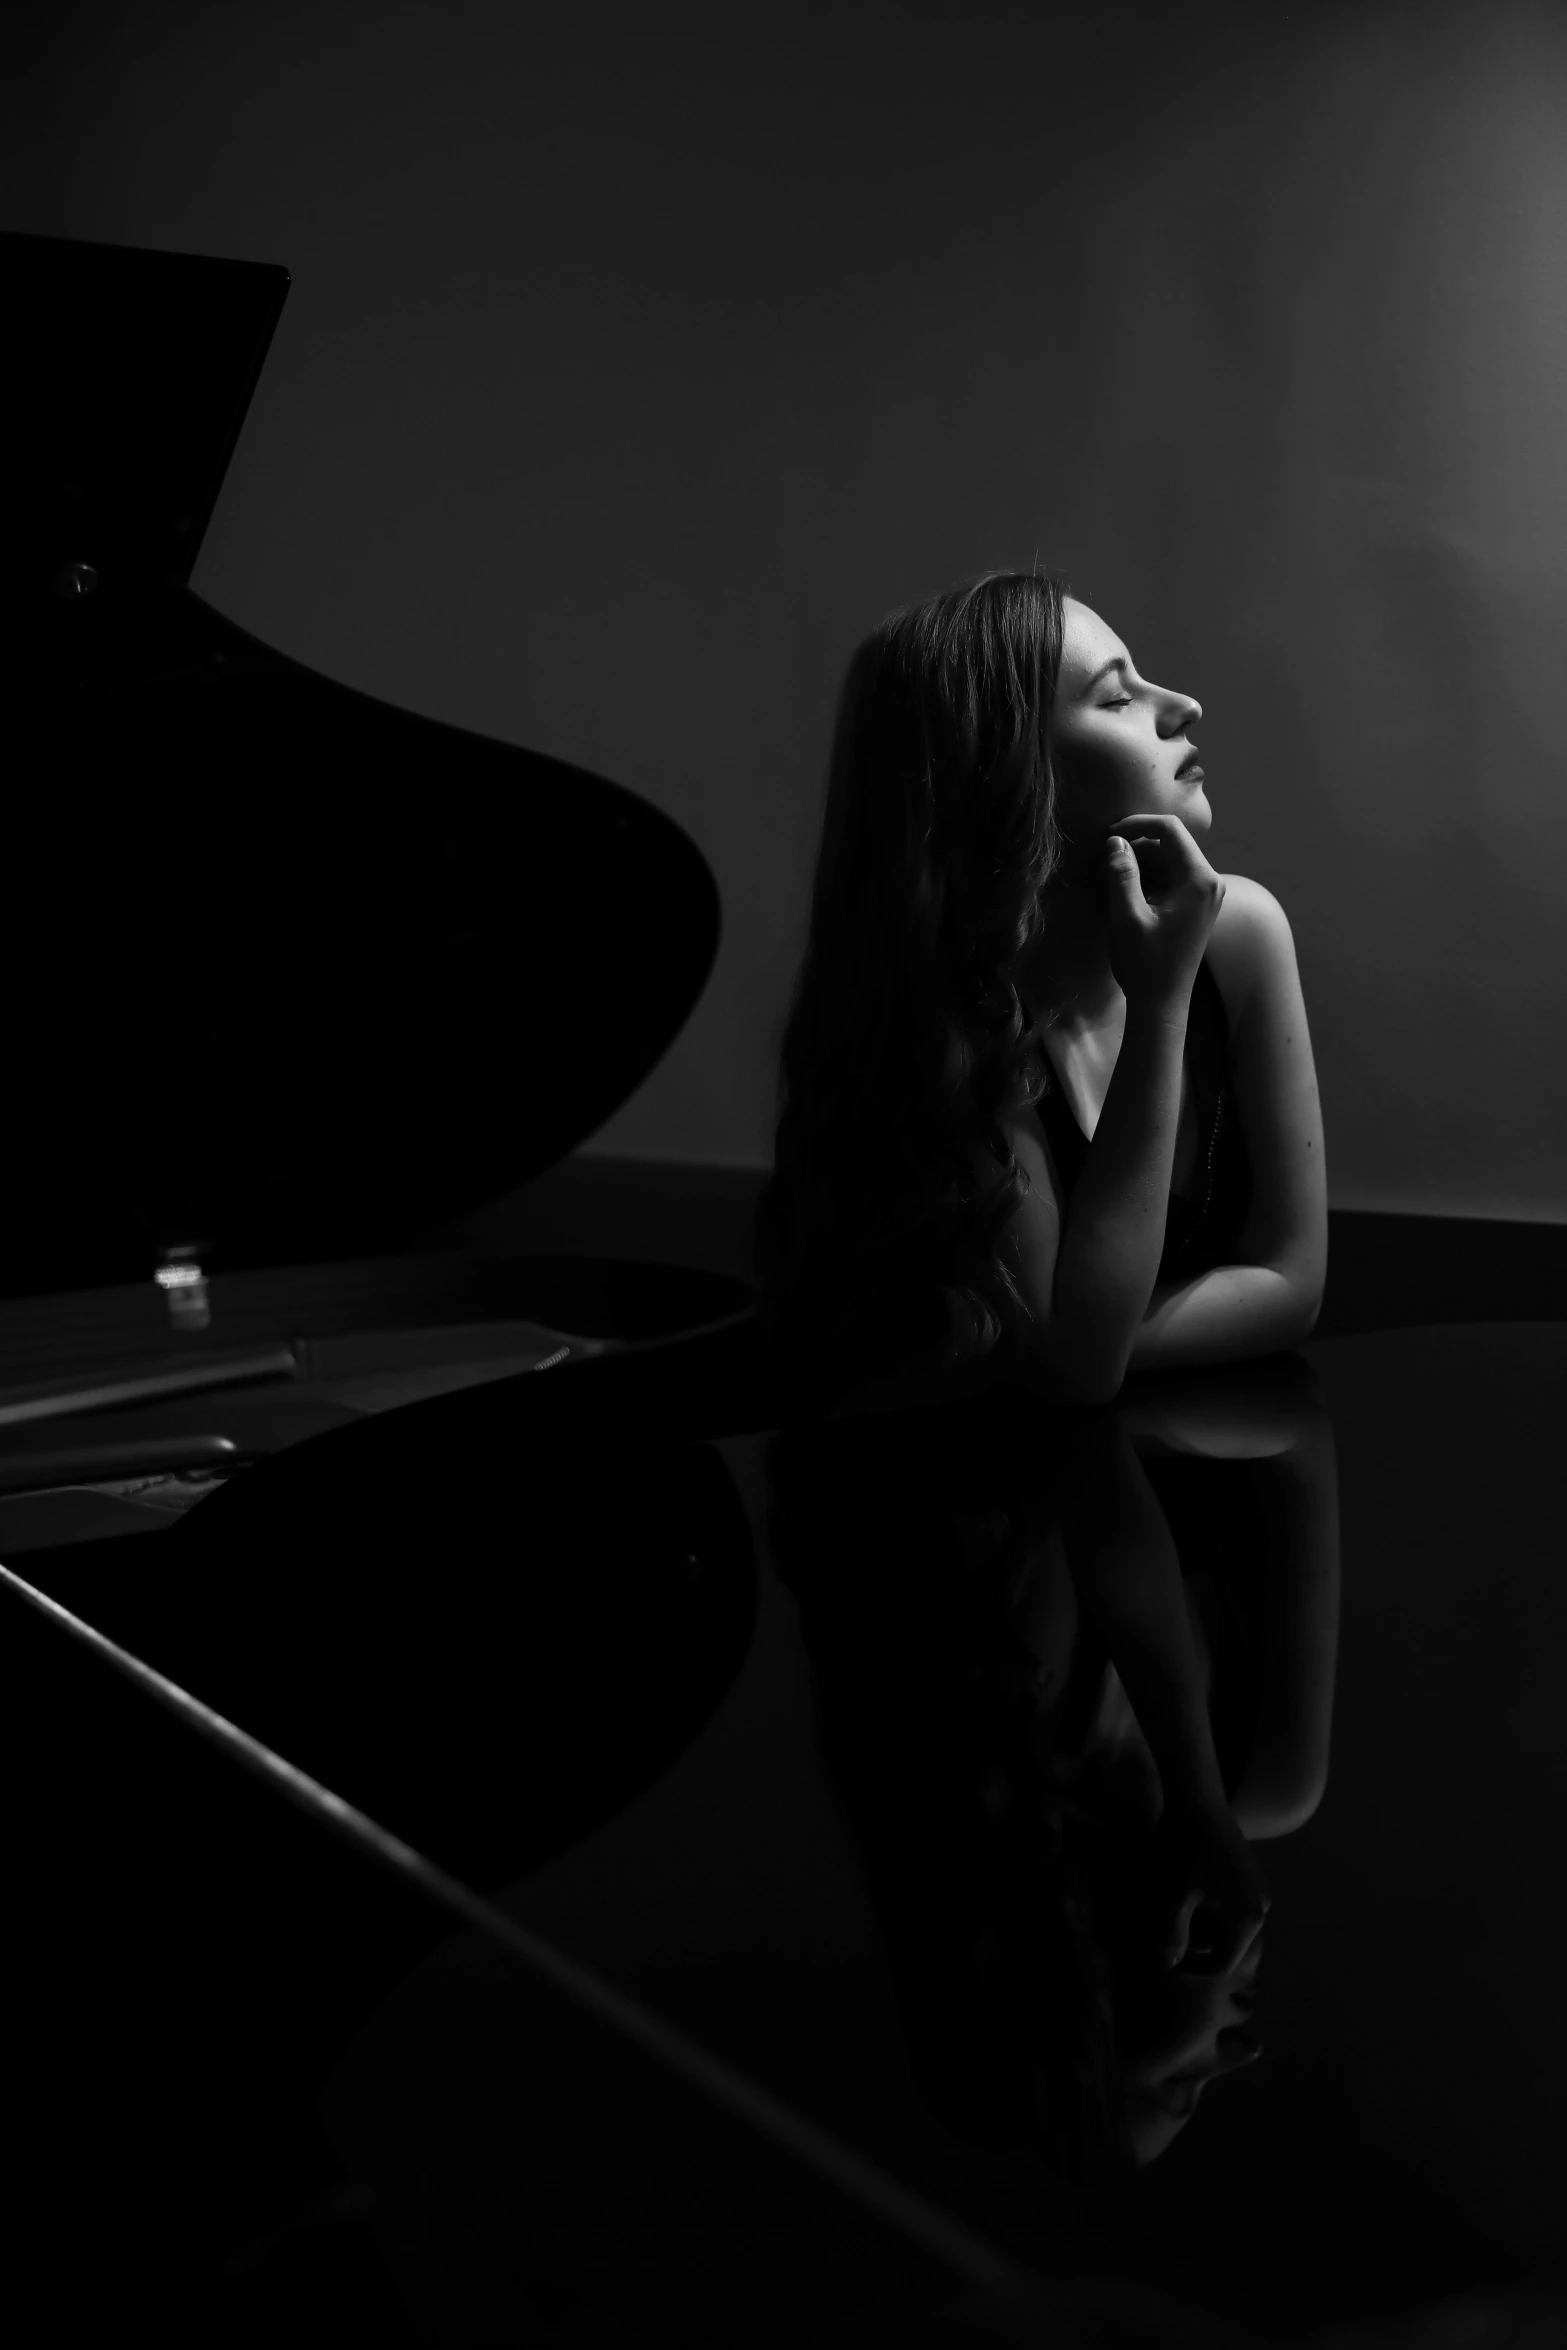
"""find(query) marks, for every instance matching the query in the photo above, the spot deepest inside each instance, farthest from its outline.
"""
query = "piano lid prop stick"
(987, 2270)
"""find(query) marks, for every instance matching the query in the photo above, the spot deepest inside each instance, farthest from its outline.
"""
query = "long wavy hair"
(906, 1045)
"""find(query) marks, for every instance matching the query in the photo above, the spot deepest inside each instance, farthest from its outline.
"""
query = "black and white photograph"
(783, 1182)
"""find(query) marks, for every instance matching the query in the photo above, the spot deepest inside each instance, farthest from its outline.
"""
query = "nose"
(1185, 710)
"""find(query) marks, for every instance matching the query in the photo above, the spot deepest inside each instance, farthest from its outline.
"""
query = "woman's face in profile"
(1120, 743)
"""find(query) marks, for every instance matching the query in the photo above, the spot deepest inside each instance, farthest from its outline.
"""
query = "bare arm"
(1114, 1238)
(1088, 1284)
(1269, 1299)
(1231, 1314)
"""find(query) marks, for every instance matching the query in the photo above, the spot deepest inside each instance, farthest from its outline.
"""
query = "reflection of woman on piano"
(1070, 1910)
(1048, 1107)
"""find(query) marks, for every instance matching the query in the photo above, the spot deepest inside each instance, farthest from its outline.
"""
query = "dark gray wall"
(639, 358)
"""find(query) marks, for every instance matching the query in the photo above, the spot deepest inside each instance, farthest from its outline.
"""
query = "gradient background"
(638, 359)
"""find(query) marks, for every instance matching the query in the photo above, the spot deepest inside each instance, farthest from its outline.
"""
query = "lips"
(1188, 766)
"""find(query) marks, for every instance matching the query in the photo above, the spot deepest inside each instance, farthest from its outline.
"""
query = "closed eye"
(1117, 705)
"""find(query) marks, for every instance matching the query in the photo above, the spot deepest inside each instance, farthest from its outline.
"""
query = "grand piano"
(294, 980)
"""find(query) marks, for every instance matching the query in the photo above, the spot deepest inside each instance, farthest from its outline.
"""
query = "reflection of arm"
(1286, 1772)
(1123, 1560)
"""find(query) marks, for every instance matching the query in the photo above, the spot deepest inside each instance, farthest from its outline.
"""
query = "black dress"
(1205, 1230)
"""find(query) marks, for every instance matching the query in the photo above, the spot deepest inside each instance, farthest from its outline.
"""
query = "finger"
(1157, 830)
(1120, 888)
(1156, 826)
(1177, 1934)
(1241, 1941)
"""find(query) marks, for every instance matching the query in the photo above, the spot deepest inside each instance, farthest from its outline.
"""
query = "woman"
(1047, 1108)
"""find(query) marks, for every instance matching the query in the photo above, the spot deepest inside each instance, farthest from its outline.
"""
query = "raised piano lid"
(287, 972)
(293, 981)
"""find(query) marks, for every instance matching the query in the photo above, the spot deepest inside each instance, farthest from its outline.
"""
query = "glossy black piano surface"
(820, 1742)
(839, 1872)
(1369, 1549)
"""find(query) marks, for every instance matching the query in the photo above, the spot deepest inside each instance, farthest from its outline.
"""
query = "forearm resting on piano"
(1232, 1314)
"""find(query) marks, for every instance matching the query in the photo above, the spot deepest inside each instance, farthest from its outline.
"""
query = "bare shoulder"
(1252, 955)
(1252, 928)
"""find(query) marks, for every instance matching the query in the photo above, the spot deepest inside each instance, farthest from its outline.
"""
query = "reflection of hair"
(907, 1566)
(906, 1042)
